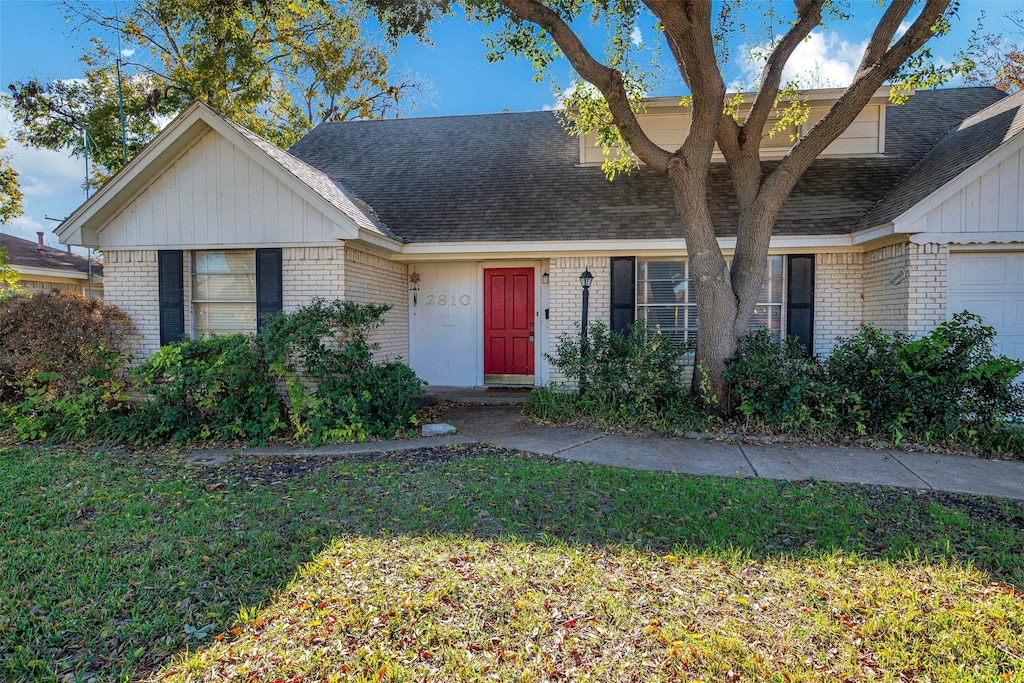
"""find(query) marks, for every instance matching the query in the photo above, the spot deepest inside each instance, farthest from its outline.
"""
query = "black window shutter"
(800, 300)
(171, 282)
(269, 300)
(623, 292)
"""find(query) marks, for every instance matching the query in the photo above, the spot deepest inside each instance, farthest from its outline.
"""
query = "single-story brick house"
(476, 229)
(43, 269)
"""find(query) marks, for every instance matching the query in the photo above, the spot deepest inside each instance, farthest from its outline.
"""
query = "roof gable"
(945, 168)
(350, 219)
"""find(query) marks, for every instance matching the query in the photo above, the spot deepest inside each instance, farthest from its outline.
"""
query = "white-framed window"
(665, 298)
(223, 292)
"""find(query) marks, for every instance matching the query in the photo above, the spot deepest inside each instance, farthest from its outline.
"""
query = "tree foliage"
(606, 99)
(278, 67)
(1000, 59)
(83, 117)
(10, 192)
(9, 277)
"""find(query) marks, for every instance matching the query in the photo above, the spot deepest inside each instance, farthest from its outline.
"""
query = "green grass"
(469, 563)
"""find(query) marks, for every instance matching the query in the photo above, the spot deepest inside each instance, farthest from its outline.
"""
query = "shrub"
(336, 391)
(779, 385)
(215, 389)
(635, 378)
(947, 381)
(56, 340)
(62, 358)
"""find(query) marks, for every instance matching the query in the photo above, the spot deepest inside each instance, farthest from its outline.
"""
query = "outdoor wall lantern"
(586, 279)
(545, 278)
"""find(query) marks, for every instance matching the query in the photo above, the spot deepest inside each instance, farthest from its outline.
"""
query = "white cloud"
(51, 184)
(823, 60)
(126, 53)
(636, 37)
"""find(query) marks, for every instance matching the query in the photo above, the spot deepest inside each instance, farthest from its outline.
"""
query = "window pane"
(663, 282)
(665, 298)
(678, 322)
(224, 292)
(769, 316)
(225, 287)
(771, 288)
(224, 318)
(219, 262)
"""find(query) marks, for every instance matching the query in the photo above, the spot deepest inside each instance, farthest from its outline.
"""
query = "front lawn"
(471, 563)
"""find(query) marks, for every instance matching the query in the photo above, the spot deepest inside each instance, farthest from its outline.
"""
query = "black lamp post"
(586, 279)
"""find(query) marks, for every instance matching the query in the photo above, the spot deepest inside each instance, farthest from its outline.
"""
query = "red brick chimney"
(42, 248)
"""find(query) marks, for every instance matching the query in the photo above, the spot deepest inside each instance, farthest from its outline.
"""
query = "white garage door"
(991, 285)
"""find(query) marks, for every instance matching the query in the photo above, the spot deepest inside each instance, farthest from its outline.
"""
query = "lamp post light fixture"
(586, 279)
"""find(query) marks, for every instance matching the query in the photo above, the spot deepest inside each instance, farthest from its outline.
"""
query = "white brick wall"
(927, 287)
(130, 283)
(310, 272)
(566, 297)
(886, 287)
(902, 286)
(838, 298)
(371, 279)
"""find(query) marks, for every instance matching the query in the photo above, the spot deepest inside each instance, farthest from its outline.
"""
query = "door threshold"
(509, 380)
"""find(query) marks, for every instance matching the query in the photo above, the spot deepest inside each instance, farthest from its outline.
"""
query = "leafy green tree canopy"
(276, 66)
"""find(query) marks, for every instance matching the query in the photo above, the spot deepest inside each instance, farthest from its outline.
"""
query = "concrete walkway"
(505, 426)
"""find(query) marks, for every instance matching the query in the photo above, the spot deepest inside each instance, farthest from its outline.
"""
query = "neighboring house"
(476, 229)
(43, 268)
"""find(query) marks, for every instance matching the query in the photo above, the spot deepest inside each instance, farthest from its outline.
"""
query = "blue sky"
(35, 40)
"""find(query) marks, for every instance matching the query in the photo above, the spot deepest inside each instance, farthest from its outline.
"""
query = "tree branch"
(607, 80)
(689, 25)
(809, 16)
(853, 100)
(884, 31)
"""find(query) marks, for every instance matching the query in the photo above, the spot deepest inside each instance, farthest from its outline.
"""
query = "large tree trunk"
(726, 297)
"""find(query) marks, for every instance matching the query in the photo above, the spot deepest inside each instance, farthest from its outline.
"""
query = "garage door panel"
(991, 285)
(978, 271)
(992, 312)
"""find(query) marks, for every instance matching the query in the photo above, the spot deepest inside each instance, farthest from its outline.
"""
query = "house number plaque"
(448, 300)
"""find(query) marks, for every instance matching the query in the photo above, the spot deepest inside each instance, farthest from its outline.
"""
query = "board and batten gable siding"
(216, 194)
(667, 129)
(991, 203)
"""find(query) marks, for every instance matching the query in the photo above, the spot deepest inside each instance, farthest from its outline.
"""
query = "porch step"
(492, 396)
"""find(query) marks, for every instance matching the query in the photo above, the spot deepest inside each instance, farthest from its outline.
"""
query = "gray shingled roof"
(22, 252)
(961, 147)
(516, 176)
(333, 192)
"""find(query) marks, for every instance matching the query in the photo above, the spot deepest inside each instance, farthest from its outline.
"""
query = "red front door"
(508, 322)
